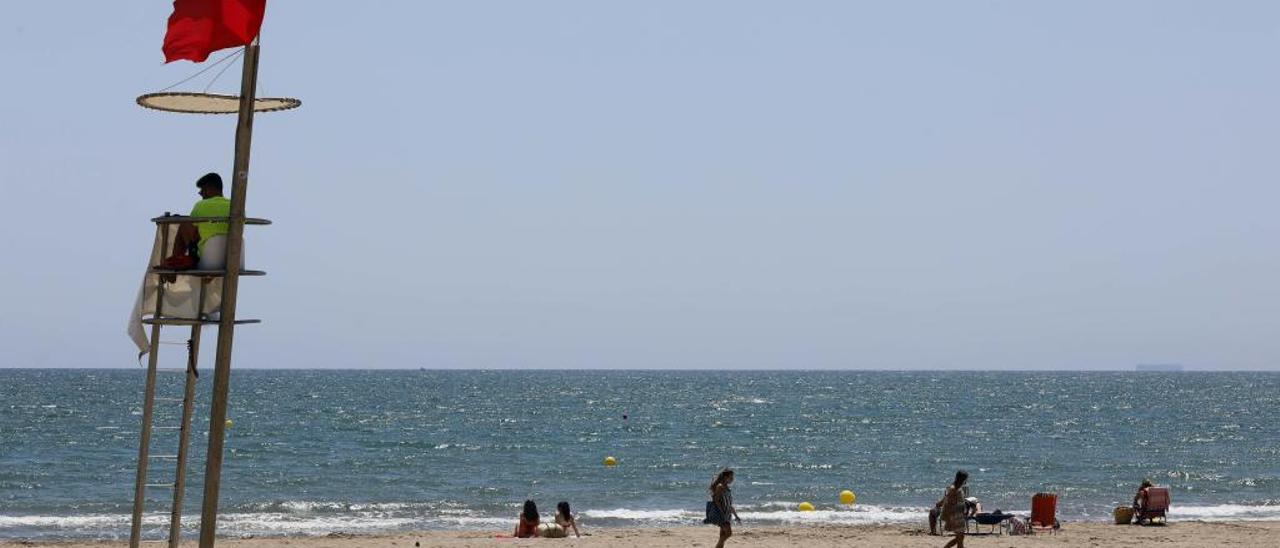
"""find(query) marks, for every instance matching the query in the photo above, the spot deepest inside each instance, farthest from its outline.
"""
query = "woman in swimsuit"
(564, 518)
(721, 505)
(527, 527)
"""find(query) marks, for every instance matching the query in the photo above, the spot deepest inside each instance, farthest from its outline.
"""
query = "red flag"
(200, 27)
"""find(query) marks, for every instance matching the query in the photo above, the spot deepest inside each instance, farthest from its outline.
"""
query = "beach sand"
(1175, 535)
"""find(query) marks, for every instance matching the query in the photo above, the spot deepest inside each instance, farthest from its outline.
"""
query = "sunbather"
(564, 518)
(527, 527)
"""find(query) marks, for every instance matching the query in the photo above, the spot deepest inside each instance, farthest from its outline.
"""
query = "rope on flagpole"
(225, 58)
(219, 74)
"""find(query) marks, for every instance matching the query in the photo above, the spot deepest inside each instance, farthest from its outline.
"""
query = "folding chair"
(992, 520)
(1157, 506)
(1044, 508)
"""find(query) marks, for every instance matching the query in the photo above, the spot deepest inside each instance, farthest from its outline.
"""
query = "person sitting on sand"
(1140, 499)
(954, 510)
(720, 507)
(564, 518)
(527, 527)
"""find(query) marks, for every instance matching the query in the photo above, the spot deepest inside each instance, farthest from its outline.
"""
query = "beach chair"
(994, 520)
(1044, 509)
(1157, 506)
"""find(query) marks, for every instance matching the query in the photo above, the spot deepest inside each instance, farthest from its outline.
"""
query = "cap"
(209, 179)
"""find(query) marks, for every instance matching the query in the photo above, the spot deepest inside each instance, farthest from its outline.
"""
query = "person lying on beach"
(527, 527)
(972, 507)
(564, 518)
(560, 527)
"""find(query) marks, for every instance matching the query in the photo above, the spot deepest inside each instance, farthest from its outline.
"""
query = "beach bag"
(713, 514)
(178, 262)
(1123, 515)
(1017, 526)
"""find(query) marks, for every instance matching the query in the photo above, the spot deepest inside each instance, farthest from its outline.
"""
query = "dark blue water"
(320, 451)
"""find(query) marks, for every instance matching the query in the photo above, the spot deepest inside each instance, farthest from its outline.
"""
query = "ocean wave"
(408, 516)
(267, 523)
(75, 522)
(652, 516)
(311, 506)
(1226, 512)
(786, 512)
(113, 526)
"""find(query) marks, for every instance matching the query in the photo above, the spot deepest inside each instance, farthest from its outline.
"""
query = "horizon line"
(677, 369)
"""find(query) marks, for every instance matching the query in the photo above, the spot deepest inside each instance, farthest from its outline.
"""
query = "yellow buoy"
(230, 423)
(847, 497)
(805, 507)
(610, 461)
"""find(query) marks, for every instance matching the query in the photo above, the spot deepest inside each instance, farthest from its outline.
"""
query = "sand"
(1175, 535)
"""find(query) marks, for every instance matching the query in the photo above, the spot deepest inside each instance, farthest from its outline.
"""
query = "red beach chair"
(1044, 508)
(1157, 506)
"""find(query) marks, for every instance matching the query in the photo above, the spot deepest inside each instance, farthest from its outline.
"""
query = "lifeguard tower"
(194, 299)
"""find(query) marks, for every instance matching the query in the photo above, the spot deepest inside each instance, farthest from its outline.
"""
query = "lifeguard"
(203, 245)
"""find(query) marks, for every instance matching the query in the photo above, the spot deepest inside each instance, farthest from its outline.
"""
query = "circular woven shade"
(212, 103)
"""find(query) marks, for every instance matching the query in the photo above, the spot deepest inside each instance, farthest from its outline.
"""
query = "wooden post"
(144, 442)
(148, 403)
(230, 284)
(188, 402)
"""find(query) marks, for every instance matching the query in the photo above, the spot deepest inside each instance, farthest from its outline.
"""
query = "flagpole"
(230, 285)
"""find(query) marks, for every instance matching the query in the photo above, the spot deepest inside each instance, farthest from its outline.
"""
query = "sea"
(313, 452)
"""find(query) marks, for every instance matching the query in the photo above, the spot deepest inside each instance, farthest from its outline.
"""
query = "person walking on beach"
(953, 509)
(720, 507)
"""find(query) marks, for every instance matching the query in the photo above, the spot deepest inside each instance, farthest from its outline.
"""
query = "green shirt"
(217, 206)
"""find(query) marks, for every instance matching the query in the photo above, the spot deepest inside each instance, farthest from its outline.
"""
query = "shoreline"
(1177, 534)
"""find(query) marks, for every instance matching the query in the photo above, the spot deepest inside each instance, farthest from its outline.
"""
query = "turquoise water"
(318, 451)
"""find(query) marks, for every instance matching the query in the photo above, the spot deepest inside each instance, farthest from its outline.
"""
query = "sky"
(670, 184)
